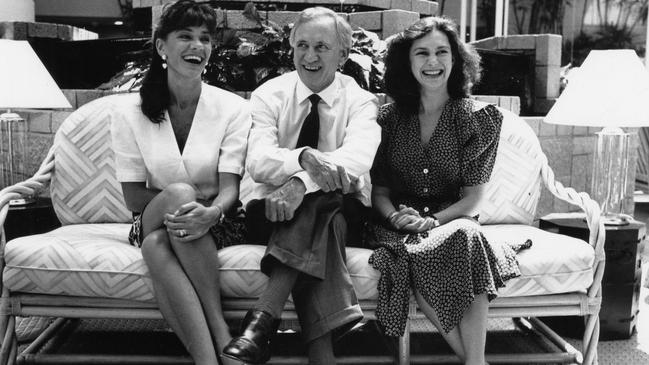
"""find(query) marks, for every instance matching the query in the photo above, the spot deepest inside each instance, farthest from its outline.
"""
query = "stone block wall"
(21, 31)
(424, 7)
(390, 16)
(547, 54)
(570, 155)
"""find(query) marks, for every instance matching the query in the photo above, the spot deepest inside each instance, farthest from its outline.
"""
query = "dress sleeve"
(380, 170)
(129, 163)
(235, 141)
(481, 132)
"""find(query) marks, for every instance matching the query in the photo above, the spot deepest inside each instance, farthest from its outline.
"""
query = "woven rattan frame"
(583, 304)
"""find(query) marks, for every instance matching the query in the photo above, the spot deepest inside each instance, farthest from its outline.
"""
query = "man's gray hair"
(342, 27)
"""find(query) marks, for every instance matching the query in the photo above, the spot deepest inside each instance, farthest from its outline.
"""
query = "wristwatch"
(435, 221)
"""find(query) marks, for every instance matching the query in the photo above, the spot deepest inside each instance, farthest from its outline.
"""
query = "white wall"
(17, 10)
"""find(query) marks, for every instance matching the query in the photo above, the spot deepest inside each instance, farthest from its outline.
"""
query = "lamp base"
(617, 220)
(610, 181)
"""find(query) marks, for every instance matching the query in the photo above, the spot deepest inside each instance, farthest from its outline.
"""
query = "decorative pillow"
(513, 191)
(84, 188)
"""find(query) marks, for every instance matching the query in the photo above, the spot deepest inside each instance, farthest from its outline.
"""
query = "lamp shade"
(24, 80)
(610, 89)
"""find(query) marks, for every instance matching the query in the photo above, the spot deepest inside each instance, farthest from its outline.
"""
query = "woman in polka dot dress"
(437, 152)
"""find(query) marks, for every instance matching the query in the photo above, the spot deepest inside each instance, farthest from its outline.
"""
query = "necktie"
(311, 128)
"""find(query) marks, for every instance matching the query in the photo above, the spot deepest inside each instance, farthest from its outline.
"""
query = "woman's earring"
(204, 71)
(164, 61)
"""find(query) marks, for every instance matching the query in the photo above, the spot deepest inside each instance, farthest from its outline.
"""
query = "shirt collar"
(328, 95)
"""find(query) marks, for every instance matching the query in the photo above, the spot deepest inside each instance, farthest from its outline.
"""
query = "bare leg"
(452, 337)
(177, 299)
(473, 330)
(198, 261)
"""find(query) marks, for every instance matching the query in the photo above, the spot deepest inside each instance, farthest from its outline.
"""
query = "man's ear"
(344, 55)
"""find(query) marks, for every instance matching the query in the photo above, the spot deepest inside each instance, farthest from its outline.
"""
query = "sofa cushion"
(84, 188)
(96, 260)
(554, 264)
(513, 191)
(82, 259)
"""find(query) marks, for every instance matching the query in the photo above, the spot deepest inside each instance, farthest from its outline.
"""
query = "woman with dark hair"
(437, 151)
(180, 148)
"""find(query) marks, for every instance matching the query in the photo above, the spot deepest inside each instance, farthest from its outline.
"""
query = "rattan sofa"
(86, 269)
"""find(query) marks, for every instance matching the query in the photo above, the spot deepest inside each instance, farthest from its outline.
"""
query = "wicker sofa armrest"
(29, 187)
(593, 218)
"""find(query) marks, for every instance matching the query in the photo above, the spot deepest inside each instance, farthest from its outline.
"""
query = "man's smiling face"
(317, 54)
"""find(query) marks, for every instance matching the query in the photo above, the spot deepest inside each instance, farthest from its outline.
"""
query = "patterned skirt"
(231, 231)
(449, 265)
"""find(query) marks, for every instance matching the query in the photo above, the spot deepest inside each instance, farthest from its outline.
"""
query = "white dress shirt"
(145, 151)
(349, 134)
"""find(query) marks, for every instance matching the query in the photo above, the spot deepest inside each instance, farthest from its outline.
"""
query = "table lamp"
(610, 90)
(24, 84)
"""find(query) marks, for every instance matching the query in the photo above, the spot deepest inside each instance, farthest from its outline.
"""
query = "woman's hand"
(407, 219)
(191, 221)
(404, 217)
(420, 225)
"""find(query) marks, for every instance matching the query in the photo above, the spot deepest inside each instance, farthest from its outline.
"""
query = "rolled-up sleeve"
(129, 164)
(267, 162)
(362, 138)
(233, 147)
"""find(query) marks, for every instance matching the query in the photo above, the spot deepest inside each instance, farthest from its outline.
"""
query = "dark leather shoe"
(253, 346)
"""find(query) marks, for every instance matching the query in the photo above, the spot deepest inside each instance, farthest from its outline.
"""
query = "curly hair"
(400, 83)
(154, 91)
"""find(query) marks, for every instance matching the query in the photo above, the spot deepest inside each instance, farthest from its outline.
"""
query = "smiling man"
(312, 143)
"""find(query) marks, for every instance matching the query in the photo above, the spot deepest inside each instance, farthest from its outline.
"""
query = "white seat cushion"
(80, 259)
(96, 260)
(554, 264)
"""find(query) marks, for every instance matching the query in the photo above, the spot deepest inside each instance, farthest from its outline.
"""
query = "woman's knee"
(177, 194)
(156, 248)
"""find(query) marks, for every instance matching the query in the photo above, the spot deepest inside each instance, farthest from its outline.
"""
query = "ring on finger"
(182, 233)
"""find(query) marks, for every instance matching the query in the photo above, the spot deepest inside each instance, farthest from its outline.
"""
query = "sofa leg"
(9, 342)
(404, 346)
(591, 338)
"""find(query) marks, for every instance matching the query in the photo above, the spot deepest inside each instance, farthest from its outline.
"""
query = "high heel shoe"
(253, 346)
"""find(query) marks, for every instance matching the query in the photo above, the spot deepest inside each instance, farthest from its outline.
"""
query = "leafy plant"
(244, 59)
(616, 21)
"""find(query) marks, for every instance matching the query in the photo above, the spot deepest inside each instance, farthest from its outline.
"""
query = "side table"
(33, 218)
(622, 273)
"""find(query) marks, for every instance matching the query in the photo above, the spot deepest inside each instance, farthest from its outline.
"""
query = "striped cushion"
(96, 260)
(513, 191)
(84, 188)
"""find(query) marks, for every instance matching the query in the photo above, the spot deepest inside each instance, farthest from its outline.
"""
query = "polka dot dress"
(452, 263)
